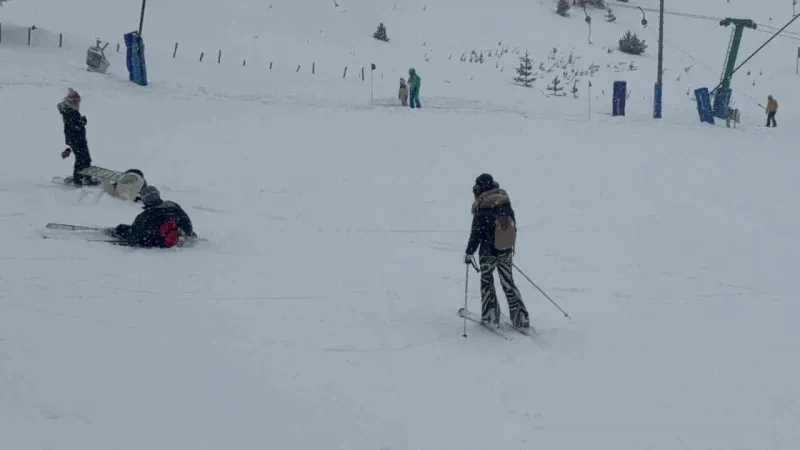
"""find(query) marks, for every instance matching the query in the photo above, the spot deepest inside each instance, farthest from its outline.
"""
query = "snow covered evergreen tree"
(631, 44)
(380, 34)
(555, 88)
(525, 71)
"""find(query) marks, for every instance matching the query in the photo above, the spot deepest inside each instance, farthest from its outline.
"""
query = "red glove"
(65, 154)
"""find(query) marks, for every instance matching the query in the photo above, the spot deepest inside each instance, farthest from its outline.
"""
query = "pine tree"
(631, 44)
(380, 34)
(610, 16)
(562, 9)
(525, 71)
(555, 88)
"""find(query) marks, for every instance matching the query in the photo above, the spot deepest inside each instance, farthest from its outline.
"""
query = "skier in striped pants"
(494, 231)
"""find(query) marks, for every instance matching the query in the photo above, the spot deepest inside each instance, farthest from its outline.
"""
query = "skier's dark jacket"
(74, 128)
(484, 212)
(154, 227)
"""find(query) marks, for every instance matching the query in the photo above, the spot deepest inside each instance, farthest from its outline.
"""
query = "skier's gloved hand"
(65, 154)
(468, 259)
(122, 230)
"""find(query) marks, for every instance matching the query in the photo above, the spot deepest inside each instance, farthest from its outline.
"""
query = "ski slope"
(321, 314)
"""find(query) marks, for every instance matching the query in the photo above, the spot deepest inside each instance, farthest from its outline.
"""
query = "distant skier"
(161, 224)
(494, 230)
(402, 93)
(128, 191)
(75, 137)
(414, 83)
(772, 109)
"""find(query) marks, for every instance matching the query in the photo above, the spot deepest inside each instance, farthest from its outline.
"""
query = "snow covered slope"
(321, 314)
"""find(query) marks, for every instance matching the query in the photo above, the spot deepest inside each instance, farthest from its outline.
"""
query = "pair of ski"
(95, 234)
(500, 329)
(99, 173)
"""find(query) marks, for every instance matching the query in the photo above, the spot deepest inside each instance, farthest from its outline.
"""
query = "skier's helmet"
(150, 195)
(483, 183)
(73, 99)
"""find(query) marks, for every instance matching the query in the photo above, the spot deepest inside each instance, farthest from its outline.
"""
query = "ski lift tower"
(722, 95)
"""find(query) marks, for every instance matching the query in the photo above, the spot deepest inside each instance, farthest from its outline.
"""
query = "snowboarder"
(494, 230)
(162, 224)
(414, 83)
(75, 138)
(402, 94)
(772, 109)
(128, 191)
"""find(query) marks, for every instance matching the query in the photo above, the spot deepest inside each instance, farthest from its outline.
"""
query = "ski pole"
(543, 292)
(466, 293)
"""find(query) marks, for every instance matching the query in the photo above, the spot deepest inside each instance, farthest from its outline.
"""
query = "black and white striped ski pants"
(490, 309)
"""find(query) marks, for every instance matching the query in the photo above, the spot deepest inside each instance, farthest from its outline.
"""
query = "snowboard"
(67, 181)
(113, 176)
(99, 173)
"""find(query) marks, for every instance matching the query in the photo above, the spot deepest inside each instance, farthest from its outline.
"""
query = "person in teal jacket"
(413, 89)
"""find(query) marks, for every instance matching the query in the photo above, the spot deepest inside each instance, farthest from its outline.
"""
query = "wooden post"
(201, 56)
(313, 64)
(29, 35)
(244, 62)
(117, 47)
(270, 65)
(219, 57)
(1, 33)
(298, 69)
(175, 50)
(345, 72)
(362, 73)
(60, 40)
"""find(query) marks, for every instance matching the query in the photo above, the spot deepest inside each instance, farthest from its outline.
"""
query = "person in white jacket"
(128, 191)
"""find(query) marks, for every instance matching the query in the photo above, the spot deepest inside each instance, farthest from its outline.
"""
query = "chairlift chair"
(96, 60)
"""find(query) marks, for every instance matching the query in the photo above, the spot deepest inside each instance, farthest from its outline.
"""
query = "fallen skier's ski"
(67, 227)
(97, 234)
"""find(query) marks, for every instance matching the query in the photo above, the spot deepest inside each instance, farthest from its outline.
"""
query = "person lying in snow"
(162, 224)
(126, 191)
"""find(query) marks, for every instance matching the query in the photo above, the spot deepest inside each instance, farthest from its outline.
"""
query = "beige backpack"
(497, 202)
(505, 230)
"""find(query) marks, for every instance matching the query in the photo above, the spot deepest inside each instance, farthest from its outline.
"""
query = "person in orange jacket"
(772, 109)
